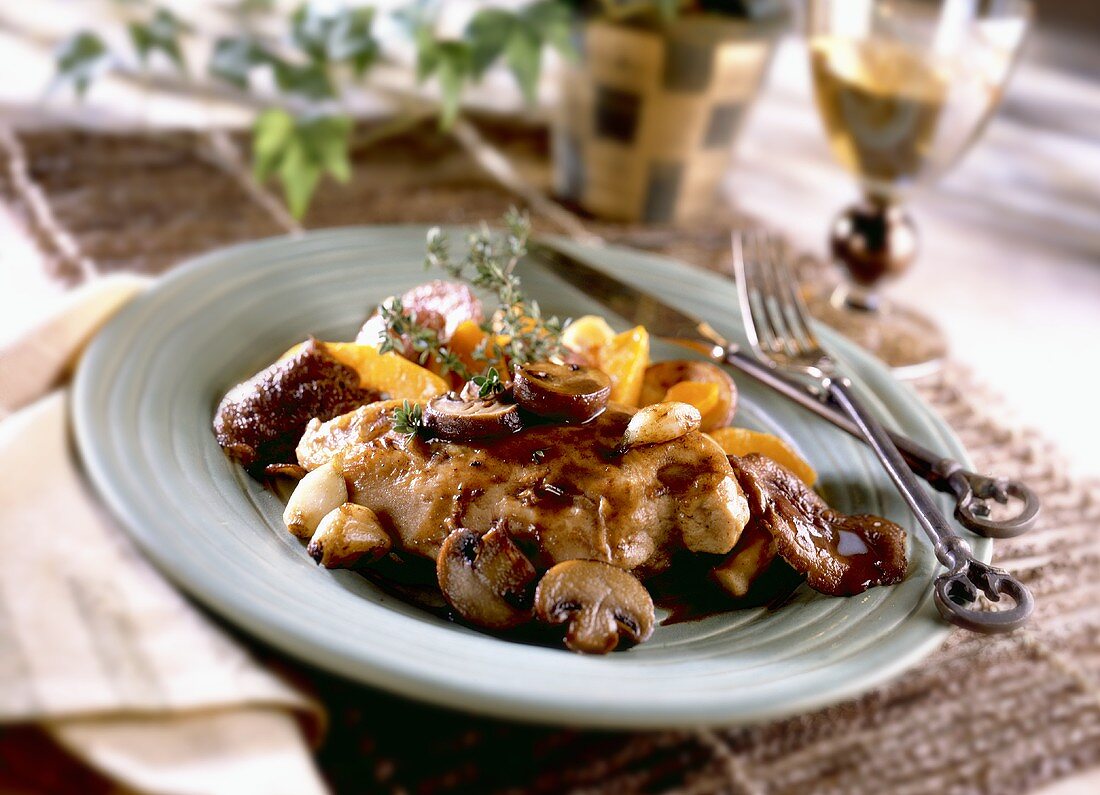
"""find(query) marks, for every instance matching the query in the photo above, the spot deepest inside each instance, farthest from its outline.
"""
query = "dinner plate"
(143, 402)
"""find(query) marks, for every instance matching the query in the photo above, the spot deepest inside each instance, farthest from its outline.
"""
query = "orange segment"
(624, 359)
(389, 373)
(742, 441)
(702, 395)
(468, 335)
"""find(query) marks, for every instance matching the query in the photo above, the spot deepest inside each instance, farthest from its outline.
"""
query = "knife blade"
(972, 491)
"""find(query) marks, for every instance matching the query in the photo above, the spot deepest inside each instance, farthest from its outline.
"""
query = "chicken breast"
(560, 490)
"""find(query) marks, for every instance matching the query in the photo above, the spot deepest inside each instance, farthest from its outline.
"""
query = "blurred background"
(1008, 264)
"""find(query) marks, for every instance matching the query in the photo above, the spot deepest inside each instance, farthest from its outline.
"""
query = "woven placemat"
(1001, 715)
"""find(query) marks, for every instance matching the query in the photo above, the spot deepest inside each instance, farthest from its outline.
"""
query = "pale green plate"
(143, 401)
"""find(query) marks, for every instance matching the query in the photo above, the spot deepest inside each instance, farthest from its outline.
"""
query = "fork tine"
(798, 316)
(774, 299)
(756, 281)
(748, 295)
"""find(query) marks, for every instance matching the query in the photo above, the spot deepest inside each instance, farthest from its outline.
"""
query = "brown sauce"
(685, 593)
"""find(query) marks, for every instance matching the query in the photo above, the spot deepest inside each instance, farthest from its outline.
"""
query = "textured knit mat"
(1001, 715)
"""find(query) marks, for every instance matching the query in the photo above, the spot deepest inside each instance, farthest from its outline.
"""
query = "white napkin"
(95, 646)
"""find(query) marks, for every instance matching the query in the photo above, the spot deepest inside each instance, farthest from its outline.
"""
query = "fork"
(781, 335)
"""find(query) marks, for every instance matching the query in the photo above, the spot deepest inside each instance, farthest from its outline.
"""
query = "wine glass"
(903, 88)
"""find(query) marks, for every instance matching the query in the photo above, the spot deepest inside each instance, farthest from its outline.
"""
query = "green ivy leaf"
(343, 36)
(161, 34)
(552, 22)
(299, 151)
(255, 6)
(80, 60)
(309, 29)
(451, 63)
(524, 57)
(427, 53)
(453, 71)
(309, 80)
(351, 40)
(519, 38)
(488, 33)
(233, 60)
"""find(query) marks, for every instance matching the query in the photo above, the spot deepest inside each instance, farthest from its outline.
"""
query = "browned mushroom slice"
(565, 392)
(840, 555)
(261, 420)
(349, 536)
(662, 376)
(747, 561)
(486, 578)
(456, 420)
(601, 603)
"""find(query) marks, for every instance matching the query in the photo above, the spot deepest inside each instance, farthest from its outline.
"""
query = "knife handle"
(971, 490)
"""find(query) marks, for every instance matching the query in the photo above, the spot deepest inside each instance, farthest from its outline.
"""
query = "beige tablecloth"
(95, 646)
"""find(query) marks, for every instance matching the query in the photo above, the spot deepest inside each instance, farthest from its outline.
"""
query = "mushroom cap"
(601, 603)
(486, 578)
(452, 418)
(564, 392)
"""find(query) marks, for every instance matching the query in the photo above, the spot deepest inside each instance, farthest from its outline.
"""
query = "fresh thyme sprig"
(408, 419)
(488, 384)
(402, 329)
(517, 332)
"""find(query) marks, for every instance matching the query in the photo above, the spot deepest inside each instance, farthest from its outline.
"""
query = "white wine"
(894, 114)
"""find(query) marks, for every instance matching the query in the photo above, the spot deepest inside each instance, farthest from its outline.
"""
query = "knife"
(971, 490)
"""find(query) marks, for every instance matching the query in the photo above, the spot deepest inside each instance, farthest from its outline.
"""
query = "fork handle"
(956, 591)
(971, 489)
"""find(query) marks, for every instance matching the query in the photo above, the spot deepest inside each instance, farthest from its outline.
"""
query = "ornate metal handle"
(973, 492)
(957, 592)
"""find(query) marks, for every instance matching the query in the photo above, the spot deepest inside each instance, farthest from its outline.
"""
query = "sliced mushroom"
(564, 392)
(662, 376)
(840, 555)
(746, 562)
(348, 537)
(660, 423)
(601, 603)
(486, 578)
(321, 491)
(471, 390)
(456, 420)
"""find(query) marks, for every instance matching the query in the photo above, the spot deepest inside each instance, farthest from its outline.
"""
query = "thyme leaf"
(408, 419)
(517, 332)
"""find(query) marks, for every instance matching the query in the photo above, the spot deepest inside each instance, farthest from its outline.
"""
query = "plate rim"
(211, 594)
